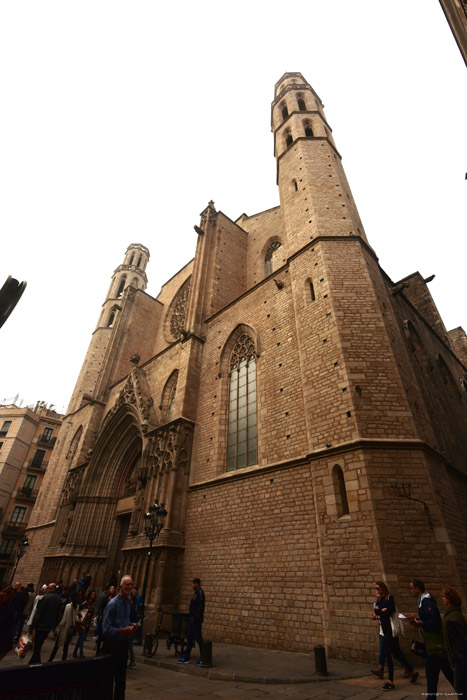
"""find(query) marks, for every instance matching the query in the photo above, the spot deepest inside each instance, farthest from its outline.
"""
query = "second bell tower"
(315, 196)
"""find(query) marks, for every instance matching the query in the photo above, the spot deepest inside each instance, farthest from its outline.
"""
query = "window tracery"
(242, 434)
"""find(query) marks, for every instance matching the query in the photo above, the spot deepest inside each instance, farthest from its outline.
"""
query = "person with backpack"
(429, 620)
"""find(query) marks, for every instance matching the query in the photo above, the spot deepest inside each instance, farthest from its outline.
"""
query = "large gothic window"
(242, 441)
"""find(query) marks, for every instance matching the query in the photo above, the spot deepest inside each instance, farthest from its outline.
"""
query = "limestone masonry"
(302, 417)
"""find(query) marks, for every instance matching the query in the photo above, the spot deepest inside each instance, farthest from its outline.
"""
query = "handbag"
(434, 642)
(418, 647)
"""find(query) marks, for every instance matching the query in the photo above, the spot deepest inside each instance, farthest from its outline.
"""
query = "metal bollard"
(320, 661)
(207, 653)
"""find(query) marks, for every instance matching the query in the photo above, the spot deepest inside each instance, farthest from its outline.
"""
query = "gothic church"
(301, 416)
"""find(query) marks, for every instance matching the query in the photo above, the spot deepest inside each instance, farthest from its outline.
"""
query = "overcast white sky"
(121, 120)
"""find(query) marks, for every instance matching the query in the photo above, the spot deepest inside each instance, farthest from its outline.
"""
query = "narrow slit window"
(301, 104)
(285, 112)
(340, 492)
(312, 291)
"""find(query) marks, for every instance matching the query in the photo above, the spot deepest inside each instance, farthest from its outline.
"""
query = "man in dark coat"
(46, 618)
(196, 611)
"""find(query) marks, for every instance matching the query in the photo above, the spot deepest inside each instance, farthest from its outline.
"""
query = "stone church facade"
(301, 416)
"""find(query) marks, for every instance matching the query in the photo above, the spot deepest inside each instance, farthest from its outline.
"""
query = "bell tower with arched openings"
(127, 279)
(314, 192)
(131, 273)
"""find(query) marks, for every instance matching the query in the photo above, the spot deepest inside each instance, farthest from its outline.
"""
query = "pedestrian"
(133, 618)
(37, 600)
(429, 620)
(65, 629)
(455, 637)
(8, 620)
(46, 618)
(117, 630)
(384, 607)
(20, 599)
(396, 628)
(101, 604)
(84, 583)
(196, 612)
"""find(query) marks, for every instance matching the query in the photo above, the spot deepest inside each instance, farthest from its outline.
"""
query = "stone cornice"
(365, 444)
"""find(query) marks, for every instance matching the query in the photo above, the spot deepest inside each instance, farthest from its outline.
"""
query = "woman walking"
(66, 627)
(455, 637)
(384, 607)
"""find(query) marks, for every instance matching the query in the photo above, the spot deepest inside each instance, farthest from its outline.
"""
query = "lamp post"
(20, 551)
(153, 523)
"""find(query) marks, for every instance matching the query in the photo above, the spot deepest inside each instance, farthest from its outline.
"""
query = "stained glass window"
(242, 438)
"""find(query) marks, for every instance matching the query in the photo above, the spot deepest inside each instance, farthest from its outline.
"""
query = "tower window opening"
(288, 139)
(312, 290)
(340, 491)
(131, 259)
(285, 112)
(295, 185)
(301, 103)
(308, 129)
(111, 320)
(121, 287)
(139, 261)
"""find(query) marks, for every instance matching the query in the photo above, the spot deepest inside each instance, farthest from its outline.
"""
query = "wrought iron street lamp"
(20, 551)
(154, 521)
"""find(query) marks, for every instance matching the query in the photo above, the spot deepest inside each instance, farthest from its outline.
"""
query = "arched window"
(131, 259)
(285, 111)
(168, 397)
(339, 491)
(288, 139)
(301, 103)
(268, 258)
(308, 129)
(139, 261)
(242, 439)
(121, 287)
(111, 320)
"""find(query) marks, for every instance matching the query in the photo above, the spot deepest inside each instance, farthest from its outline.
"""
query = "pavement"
(247, 673)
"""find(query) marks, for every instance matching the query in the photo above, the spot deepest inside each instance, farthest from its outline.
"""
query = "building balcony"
(6, 557)
(46, 440)
(26, 494)
(38, 467)
(11, 528)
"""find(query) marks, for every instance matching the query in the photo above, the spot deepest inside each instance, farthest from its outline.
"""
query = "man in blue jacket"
(196, 620)
(429, 620)
(117, 630)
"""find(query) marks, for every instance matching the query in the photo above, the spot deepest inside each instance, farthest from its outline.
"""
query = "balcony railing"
(40, 467)
(6, 557)
(30, 494)
(46, 440)
(13, 528)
